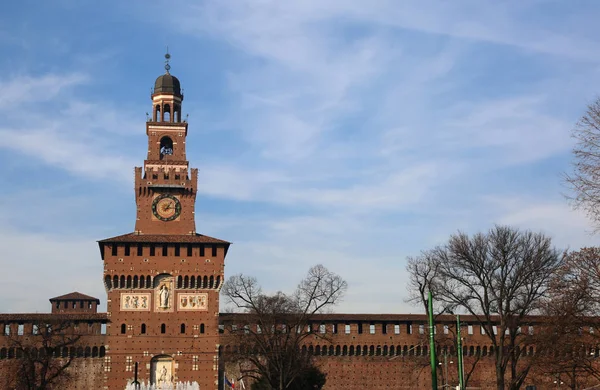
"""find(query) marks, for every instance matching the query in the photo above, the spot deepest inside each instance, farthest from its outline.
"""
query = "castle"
(163, 280)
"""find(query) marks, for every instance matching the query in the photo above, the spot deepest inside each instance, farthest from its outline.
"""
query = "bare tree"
(569, 339)
(584, 180)
(424, 273)
(500, 277)
(268, 334)
(42, 359)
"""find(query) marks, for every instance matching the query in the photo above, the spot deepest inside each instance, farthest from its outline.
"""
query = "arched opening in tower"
(166, 147)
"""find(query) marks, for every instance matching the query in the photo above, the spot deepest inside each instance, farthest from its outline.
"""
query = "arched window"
(201, 328)
(148, 281)
(102, 351)
(345, 350)
(88, 352)
(186, 282)
(3, 353)
(94, 352)
(371, 350)
(129, 281)
(167, 113)
(218, 281)
(122, 285)
(135, 281)
(484, 351)
(163, 328)
(177, 112)
(179, 281)
(115, 281)
(166, 147)
(205, 285)
(318, 350)
(193, 282)
(123, 328)
(157, 113)
(392, 351)
(211, 283)
(107, 281)
(338, 350)
(79, 351)
(358, 350)
(143, 328)
(182, 328)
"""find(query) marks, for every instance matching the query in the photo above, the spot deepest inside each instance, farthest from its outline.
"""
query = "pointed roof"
(75, 296)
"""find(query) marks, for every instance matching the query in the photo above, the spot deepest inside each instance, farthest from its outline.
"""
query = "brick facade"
(163, 282)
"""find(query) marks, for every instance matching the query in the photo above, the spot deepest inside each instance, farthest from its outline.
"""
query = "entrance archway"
(161, 370)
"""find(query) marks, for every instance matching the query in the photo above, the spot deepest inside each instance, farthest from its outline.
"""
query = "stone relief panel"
(135, 302)
(198, 302)
(163, 293)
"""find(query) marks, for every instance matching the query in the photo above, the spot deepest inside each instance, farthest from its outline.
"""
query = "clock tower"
(163, 279)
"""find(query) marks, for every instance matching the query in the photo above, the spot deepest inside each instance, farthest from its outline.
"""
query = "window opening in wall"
(166, 147)
(127, 250)
(409, 328)
(143, 328)
(165, 250)
(446, 329)
(214, 250)
(384, 328)
(35, 329)
(421, 329)
(372, 328)
(334, 328)
(470, 329)
(65, 304)
(201, 328)
(359, 328)
(201, 250)
(189, 250)
(74, 303)
(322, 328)
(81, 304)
(103, 329)
(182, 328)
(482, 330)
(140, 249)
(347, 328)
(114, 250)
(495, 329)
(163, 328)
(20, 329)
(152, 250)
(89, 304)
(58, 305)
(530, 329)
(176, 249)
(123, 328)
(396, 328)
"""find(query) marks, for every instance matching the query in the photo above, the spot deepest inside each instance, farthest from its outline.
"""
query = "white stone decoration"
(187, 301)
(135, 302)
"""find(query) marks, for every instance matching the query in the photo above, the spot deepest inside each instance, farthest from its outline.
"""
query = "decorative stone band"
(135, 302)
(197, 302)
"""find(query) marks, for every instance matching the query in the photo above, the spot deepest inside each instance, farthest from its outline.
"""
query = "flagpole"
(432, 344)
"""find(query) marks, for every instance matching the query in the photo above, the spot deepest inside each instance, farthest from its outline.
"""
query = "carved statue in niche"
(164, 296)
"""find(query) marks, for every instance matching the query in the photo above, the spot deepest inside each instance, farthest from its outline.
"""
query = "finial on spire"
(167, 56)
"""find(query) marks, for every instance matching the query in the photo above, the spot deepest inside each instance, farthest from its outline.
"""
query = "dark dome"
(167, 84)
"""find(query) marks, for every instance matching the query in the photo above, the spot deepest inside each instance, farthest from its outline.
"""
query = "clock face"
(166, 207)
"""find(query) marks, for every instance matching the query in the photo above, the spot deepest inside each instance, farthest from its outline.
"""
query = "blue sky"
(347, 133)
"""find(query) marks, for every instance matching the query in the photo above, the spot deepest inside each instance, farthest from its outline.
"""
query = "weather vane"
(167, 56)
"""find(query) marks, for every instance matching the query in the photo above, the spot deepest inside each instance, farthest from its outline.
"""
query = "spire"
(167, 57)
